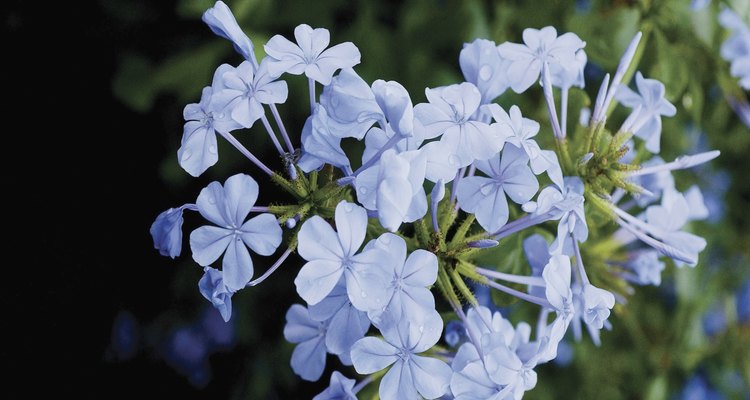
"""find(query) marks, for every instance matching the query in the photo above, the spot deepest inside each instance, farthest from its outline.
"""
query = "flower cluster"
(439, 185)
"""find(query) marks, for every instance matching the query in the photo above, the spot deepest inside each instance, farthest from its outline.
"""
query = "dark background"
(81, 183)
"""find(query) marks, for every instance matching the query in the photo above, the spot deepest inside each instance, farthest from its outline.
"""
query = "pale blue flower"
(646, 267)
(571, 75)
(351, 105)
(166, 231)
(331, 254)
(736, 49)
(227, 206)
(222, 22)
(536, 249)
(393, 187)
(482, 65)
(556, 276)
(597, 304)
(507, 174)
(696, 205)
(472, 382)
(309, 356)
(319, 142)
(346, 324)
(408, 295)
(655, 183)
(245, 90)
(212, 287)
(198, 149)
(449, 113)
(650, 99)
(519, 131)
(309, 54)
(540, 47)
(340, 388)
(504, 367)
(665, 221)
(558, 291)
(410, 375)
(568, 208)
(442, 165)
(396, 105)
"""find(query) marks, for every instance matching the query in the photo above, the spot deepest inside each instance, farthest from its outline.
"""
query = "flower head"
(309, 54)
(227, 206)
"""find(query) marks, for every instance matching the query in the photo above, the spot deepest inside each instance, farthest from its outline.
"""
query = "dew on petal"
(485, 73)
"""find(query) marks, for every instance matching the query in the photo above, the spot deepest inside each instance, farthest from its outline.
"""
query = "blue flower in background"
(227, 206)
(188, 347)
(650, 104)
(743, 303)
(697, 388)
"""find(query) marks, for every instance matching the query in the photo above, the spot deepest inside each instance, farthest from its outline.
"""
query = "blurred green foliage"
(658, 340)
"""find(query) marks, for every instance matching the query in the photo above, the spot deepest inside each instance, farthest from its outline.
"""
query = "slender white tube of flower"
(600, 96)
(272, 135)
(627, 58)
(282, 128)
(579, 260)
(474, 340)
(564, 111)
(376, 157)
(550, 100)
(680, 162)
(189, 206)
(271, 270)
(524, 280)
(454, 186)
(520, 224)
(311, 86)
(629, 123)
(661, 247)
(361, 384)
(521, 295)
(245, 152)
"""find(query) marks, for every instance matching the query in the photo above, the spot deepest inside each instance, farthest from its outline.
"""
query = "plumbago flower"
(419, 213)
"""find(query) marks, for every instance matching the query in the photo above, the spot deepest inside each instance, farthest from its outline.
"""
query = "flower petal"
(237, 264)
(317, 240)
(208, 243)
(370, 355)
(262, 234)
(317, 278)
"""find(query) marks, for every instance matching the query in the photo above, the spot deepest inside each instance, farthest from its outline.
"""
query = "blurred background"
(97, 90)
